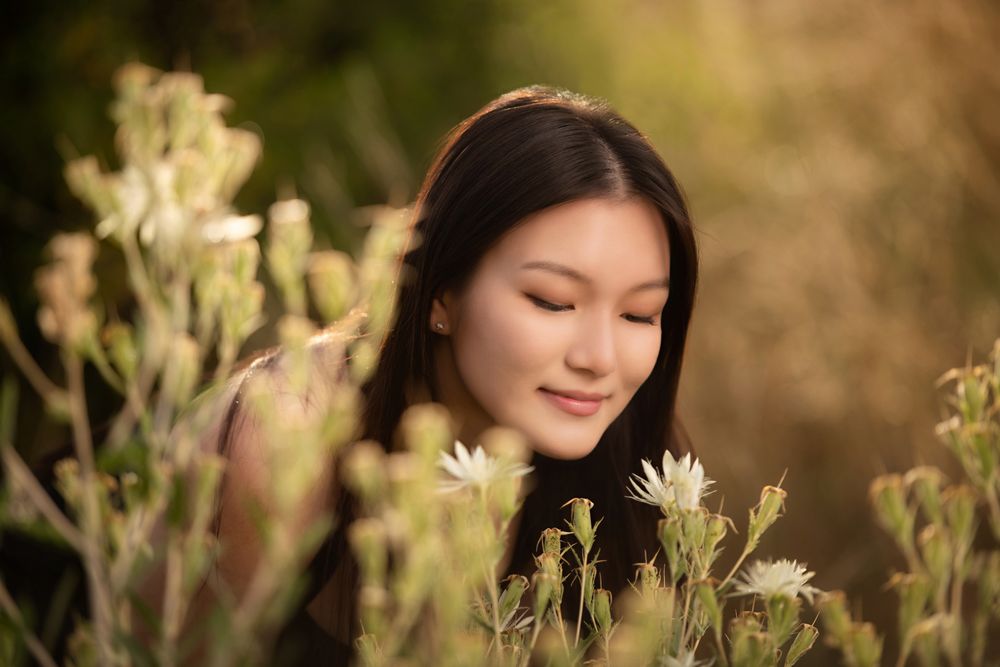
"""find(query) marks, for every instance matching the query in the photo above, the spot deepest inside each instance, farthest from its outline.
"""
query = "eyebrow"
(573, 274)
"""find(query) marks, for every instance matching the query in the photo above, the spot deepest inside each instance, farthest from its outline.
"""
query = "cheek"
(639, 357)
(499, 346)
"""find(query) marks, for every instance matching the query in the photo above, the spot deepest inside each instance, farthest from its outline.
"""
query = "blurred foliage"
(841, 160)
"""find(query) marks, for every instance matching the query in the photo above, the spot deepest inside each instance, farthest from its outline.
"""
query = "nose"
(593, 347)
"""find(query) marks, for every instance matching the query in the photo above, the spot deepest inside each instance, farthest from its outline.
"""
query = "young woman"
(551, 293)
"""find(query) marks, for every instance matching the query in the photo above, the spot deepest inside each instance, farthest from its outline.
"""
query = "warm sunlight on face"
(558, 326)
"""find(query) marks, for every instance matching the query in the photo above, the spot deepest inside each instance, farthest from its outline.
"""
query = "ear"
(439, 321)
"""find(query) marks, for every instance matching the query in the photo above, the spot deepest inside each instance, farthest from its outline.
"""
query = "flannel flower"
(783, 577)
(683, 483)
(477, 469)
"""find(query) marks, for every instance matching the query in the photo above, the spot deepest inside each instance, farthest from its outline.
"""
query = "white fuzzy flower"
(683, 483)
(684, 659)
(476, 469)
(784, 577)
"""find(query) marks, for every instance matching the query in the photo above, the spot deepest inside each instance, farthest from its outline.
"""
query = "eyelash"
(557, 308)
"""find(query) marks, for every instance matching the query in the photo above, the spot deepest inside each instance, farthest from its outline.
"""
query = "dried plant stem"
(21, 476)
(34, 645)
(93, 531)
(172, 608)
(36, 377)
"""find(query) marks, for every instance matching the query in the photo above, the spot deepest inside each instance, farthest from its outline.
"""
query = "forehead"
(610, 240)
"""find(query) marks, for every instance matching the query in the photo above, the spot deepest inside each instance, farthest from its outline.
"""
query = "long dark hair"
(526, 151)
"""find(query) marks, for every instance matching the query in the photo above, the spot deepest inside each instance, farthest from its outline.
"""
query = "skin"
(512, 330)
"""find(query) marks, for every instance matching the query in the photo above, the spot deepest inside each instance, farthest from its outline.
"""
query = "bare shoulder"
(278, 465)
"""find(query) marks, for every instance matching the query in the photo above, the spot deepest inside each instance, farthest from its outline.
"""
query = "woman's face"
(558, 326)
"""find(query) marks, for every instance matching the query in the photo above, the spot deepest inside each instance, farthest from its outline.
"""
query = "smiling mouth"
(578, 407)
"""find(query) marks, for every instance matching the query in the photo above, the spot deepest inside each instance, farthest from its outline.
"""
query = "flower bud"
(512, 594)
(602, 610)
(364, 470)
(836, 618)
(120, 342)
(866, 645)
(783, 616)
(369, 652)
(332, 283)
(182, 373)
(294, 333)
(543, 585)
(914, 592)
(551, 565)
(693, 529)
(427, 431)
(290, 238)
(669, 531)
(751, 647)
(935, 547)
(582, 527)
(705, 590)
(960, 507)
(888, 497)
(552, 541)
(925, 481)
(802, 643)
(715, 531)
(589, 574)
(648, 577)
(83, 175)
(767, 511)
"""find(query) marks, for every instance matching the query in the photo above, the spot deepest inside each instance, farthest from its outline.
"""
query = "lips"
(580, 404)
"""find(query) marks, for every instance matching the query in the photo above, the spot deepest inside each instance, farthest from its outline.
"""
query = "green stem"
(583, 587)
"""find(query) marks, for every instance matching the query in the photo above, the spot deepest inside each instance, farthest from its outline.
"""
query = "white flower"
(783, 577)
(683, 484)
(688, 478)
(684, 659)
(229, 227)
(477, 469)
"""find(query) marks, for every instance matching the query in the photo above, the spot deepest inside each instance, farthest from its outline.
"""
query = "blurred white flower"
(683, 483)
(684, 659)
(476, 469)
(231, 227)
(783, 577)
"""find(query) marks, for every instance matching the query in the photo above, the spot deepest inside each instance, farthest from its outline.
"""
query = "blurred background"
(842, 162)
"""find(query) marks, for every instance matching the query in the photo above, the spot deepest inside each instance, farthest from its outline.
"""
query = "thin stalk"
(100, 361)
(171, 601)
(35, 376)
(93, 532)
(35, 646)
(491, 587)
(688, 626)
(21, 477)
(583, 586)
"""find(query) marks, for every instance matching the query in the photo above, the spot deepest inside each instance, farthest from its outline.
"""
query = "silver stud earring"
(439, 326)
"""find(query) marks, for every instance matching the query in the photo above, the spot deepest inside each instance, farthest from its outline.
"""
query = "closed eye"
(559, 308)
(640, 320)
(548, 305)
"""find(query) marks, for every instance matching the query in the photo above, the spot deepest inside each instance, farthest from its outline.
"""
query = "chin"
(563, 450)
